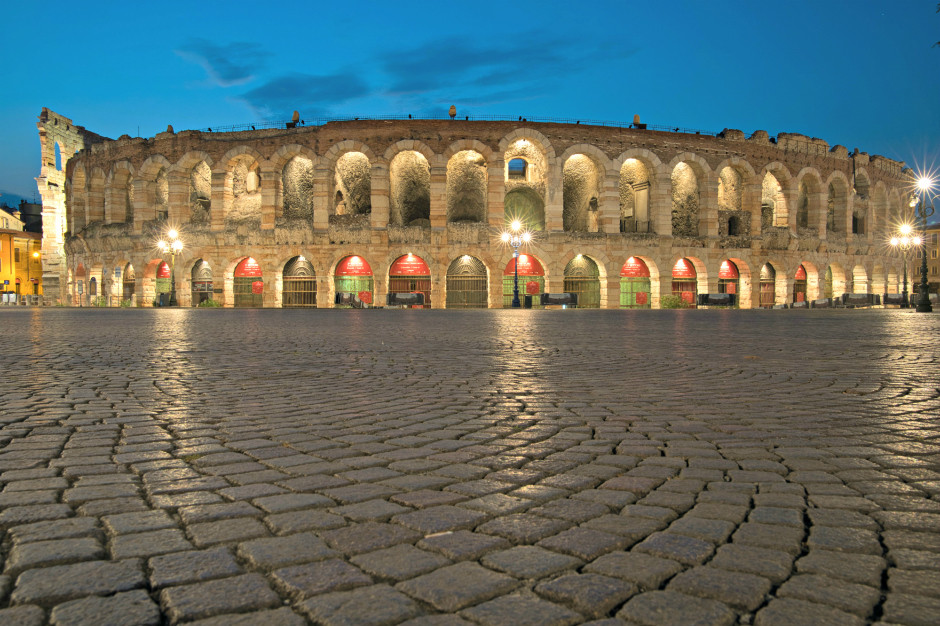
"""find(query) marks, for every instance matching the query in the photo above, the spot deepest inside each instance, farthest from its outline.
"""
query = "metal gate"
(128, 284)
(412, 284)
(299, 286)
(687, 290)
(768, 279)
(466, 284)
(246, 293)
(583, 278)
(635, 293)
(201, 283)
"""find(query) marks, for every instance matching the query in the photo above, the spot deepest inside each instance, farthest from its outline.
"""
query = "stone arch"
(95, 197)
(351, 181)
(734, 177)
(409, 188)
(475, 145)
(809, 199)
(467, 186)
(859, 279)
(837, 203)
(409, 145)
(152, 189)
(745, 282)
(543, 143)
(338, 149)
(526, 205)
(862, 184)
(635, 186)
(295, 183)
(241, 195)
(876, 216)
(77, 199)
(119, 203)
(833, 281)
(584, 170)
(467, 283)
(689, 175)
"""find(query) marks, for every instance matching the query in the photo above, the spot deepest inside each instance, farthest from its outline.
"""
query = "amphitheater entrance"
(128, 284)
(299, 284)
(729, 280)
(827, 284)
(526, 206)
(466, 284)
(353, 283)
(799, 285)
(162, 284)
(531, 280)
(201, 282)
(634, 284)
(582, 277)
(768, 286)
(410, 274)
(248, 284)
(685, 282)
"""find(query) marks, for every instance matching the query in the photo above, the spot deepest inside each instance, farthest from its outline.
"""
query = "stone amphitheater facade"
(795, 218)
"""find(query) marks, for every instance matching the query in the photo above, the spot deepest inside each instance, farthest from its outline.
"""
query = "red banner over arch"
(683, 269)
(353, 266)
(635, 268)
(528, 266)
(409, 265)
(163, 271)
(801, 273)
(728, 270)
(248, 267)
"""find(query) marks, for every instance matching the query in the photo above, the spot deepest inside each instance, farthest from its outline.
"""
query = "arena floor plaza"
(626, 216)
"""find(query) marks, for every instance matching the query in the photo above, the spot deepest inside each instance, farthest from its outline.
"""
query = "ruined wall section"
(56, 130)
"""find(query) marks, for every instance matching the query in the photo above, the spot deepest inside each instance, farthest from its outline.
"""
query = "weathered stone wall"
(438, 189)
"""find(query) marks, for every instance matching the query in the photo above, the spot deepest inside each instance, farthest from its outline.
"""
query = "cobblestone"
(228, 469)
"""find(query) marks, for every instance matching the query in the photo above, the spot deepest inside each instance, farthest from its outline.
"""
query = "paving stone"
(371, 510)
(457, 586)
(584, 543)
(190, 567)
(248, 592)
(368, 537)
(271, 552)
(736, 589)
(149, 543)
(913, 559)
(773, 565)
(399, 562)
(375, 605)
(521, 610)
(841, 518)
(844, 540)
(647, 572)
(310, 579)
(590, 594)
(15, 515)
(54, 552)
(228, 530)
(291, 502)
(895, 539)
(656, 608)
(129, 607)
(56, 529)
(713, 531)
(276, 617)
(523, 528)
(214, 512)
(850, 597)
(138, 521)
(575, 511)
(789, 612)
(770, 536)
(686, 550)
(529, 562)
(52, 585)
(917, 583)
(303, 520)
(865, 569)
(462, 544)
(26, 615)
(916, 610)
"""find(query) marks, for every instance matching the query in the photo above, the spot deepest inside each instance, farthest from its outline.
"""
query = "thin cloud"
(227, 65)
(279, 96)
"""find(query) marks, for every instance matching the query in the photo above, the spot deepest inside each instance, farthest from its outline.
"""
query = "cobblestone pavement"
(487, 467)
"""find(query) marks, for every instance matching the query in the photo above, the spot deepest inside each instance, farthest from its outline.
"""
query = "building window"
(16, 255)
(933, 254)
(517, 169)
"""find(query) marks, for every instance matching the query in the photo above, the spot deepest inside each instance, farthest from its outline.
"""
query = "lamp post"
(173, 245)
(515, 237)
(924, 211)
(904, 242)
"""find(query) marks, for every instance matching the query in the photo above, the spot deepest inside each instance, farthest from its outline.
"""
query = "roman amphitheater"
(625, 216)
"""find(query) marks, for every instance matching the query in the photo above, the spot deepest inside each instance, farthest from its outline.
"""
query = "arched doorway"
(162, 285)
(128, 285)
(201, 282)
(685, 282)
(299, 284)
(729, 279)
(353, 282)
(410, 274)
(635, 284)
(531, 280)
(248, 285)
(467, 286)
(768, 284)
(526, 206)
(827, 286)
(92, 290)
(799, 285)
(583, 278)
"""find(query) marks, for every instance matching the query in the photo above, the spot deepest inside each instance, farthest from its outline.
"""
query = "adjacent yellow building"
(20, 261)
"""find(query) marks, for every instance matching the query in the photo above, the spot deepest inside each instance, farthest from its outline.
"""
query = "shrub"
(672, 301)
(210, 304)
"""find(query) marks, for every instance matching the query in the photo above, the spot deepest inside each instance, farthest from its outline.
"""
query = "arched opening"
(773, 206)
(531, 280)
(92, 288)
(121, 190)
(410, 190)
(516, 169)
(297, 189)
(685, 201)
(467, 285)
(582, 277)
(827, 283)
(635, 197)
(128, 285)
(729, 279)
(859, 280)
(836, 207)
(248, 284)
(580, 192)
(58, 157)
(525, 205)
(201, 282)
(161, 195)
(353, 283)
(685, 283)
(768, 286)
(200, 193)
(733, 221)
(76, 205)
(802, 206)
(353, 182)
(162, 284)
(466, 187)
(243, 190)
(800, 285)
(299, 284)
(410, 274)
(635, 285)
(734, 226)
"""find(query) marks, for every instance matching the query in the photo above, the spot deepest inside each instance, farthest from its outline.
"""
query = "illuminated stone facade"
(595, 197)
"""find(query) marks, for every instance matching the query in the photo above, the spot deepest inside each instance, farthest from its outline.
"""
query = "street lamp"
(905, 242)
(515, 237)
(173, 245)
(924, 184)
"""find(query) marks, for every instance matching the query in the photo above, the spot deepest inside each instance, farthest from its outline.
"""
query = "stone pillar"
(786, 216)
(178, 210)
(269, 184)
(321, 197)
(609, 204)
(381, 183)
(610, 297)
(660, 208)
(496, 193)
(708, 209)
(438, 196)
(751, 202)
(554, 201)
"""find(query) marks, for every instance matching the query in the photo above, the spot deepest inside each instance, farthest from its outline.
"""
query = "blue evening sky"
(861, 73)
